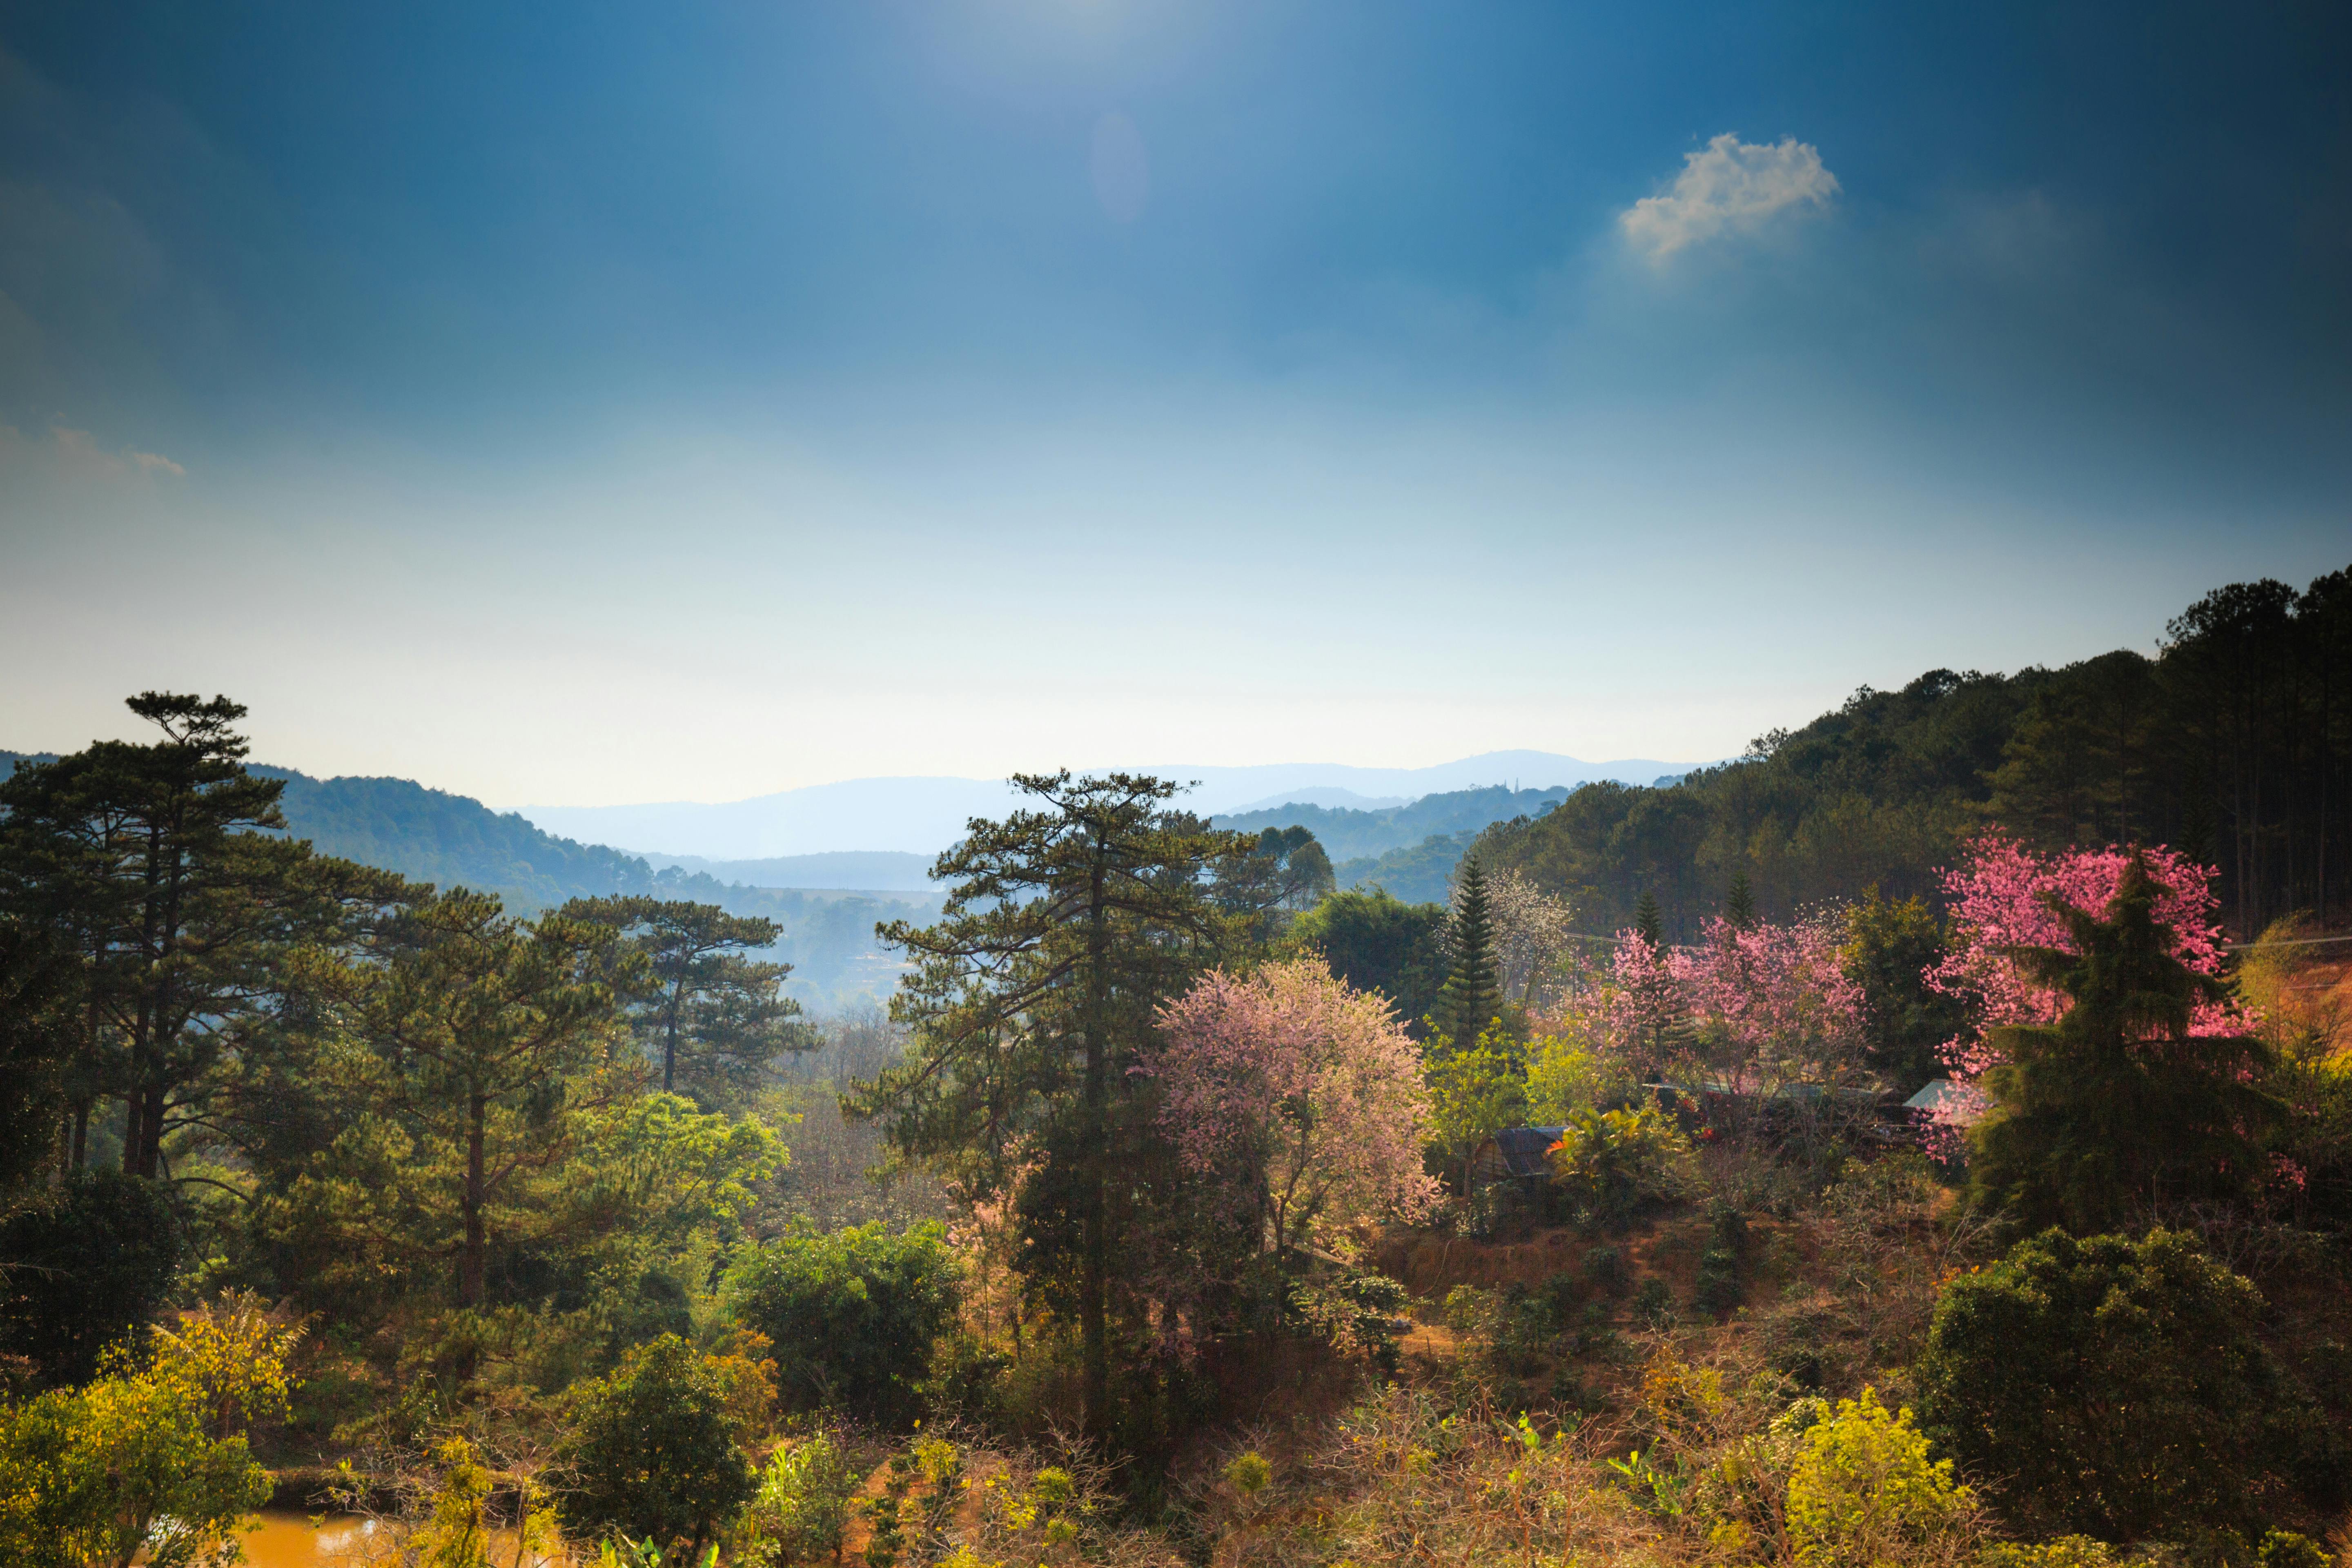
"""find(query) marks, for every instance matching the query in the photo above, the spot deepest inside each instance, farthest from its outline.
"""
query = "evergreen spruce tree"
(1471, 996)
(2117, 1108)
(1739, 903)
(1647, 925)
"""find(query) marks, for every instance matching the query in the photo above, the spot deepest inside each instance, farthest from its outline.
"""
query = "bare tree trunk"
(136, 1162)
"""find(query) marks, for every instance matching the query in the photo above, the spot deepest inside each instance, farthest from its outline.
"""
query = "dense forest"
(1868, 1153)
(2234, 742)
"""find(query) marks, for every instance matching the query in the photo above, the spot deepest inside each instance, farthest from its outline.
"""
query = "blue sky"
(606, 403)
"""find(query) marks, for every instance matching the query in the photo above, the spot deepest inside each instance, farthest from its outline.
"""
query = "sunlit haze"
(640, 403)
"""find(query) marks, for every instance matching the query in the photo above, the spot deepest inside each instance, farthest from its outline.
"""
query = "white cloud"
(71, 454)
(1732, 186)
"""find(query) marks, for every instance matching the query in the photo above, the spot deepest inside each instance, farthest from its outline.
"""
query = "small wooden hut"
(1514, 1154)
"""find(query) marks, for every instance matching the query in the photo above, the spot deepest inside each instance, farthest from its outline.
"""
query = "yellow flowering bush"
(1864, 1492)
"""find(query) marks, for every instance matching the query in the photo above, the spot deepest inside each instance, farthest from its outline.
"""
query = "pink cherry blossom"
(1773, 999)
(1767, 1003)
(1299, 1094)
(1997, 900)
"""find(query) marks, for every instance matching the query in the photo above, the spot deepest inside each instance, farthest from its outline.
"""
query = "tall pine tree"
(1066, 926)
(158, 866)
(1471, 996)
(1647, 925)
(711, 1003)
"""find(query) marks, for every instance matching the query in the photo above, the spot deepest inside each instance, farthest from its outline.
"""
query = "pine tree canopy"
(1647, 922)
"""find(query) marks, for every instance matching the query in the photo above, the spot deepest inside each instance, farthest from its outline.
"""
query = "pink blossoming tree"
(1999, 899)
(1773, 1003)
(1300, 1096)
(1999, 903)
(1642, 1004)
(1758, 1004)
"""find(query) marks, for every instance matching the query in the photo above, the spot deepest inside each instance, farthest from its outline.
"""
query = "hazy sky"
(600, 403)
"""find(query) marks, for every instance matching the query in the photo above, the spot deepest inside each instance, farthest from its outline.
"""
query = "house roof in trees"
(1947, 1102)
(1514, 1152)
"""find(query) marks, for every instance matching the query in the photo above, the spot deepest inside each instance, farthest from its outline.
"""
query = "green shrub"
(940, 1464)
(1566, 1075)
(1718, 1288)
(1360, 1311)
(2115, 1388)
(1592, 1334)
(967, 1378)
(1506, 1337)
(1562, 1296)
(852, 1316)
(1654, 1303)
(802, 1506)
(149, 1458)
(1613, 1164)
(1248, 1474)
(653, 1451)
(1572, 1395)
(1864, 1492)
(2066, 1552)
(1604, 1270)
(2285, 1548)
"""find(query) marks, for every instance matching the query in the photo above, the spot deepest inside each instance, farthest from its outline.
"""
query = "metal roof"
(1943, 1099)
(1522, 1149)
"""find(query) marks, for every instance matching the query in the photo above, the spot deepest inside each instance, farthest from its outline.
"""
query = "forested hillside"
(453, 841)
(431, 835)
(1348, 834)
(1418, 873)
(2233, 743)
(320, 1188)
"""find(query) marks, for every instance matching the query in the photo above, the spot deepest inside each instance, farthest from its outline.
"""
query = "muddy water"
(292, 1541)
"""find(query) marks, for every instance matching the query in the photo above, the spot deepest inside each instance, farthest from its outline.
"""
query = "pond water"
(292, 1541)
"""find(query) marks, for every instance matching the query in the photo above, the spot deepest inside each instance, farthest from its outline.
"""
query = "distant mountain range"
(923, 816)
(1408, 846)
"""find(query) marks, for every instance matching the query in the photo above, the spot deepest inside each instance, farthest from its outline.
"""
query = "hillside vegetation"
(2234, 743)
(1187, 1208)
